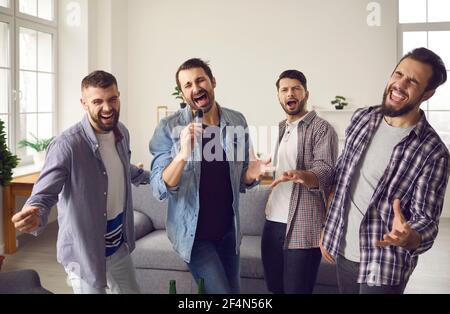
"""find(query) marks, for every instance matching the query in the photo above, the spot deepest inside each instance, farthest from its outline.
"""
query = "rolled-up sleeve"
(325, 152)
(427, 203)
(51, 181)
(139, 176)
(161, 146)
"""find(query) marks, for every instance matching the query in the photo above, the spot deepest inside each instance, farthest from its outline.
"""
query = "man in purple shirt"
(88, 167)
(390, 184)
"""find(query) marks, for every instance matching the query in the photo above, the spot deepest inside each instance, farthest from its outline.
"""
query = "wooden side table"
(20, 186)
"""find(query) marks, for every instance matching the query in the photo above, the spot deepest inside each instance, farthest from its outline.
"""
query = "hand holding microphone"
(189, 135)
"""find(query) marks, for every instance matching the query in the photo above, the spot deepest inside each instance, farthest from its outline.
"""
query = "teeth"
(398, 96)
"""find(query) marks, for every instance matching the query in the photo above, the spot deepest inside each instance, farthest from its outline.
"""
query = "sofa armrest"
(21, 282)
(143, 225)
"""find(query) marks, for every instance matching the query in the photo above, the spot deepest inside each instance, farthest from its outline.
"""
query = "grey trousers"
(347, 276)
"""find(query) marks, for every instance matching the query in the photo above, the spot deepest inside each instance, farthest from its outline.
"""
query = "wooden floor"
(432, 274)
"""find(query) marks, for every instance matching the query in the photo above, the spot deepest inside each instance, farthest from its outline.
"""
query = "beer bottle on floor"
(173, 287)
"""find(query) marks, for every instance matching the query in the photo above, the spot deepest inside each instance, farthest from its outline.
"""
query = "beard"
(105, 127)
(300, 108)
(390, 111)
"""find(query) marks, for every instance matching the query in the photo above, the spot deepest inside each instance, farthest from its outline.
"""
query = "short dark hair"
(191, 64)
(427, 56)
(100, 79)
(295, 75)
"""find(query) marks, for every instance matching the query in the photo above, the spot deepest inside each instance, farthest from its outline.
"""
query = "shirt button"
(104, 215)
(104, 173)
(105, 193)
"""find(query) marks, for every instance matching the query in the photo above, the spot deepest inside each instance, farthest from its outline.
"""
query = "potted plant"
(179, 96)
(339, 102)
(39, 145)
(8, 161)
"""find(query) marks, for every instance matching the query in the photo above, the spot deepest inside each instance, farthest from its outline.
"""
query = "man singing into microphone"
(201, 164)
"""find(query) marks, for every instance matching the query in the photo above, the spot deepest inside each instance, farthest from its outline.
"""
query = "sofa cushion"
(251, 264)
(146, 203)
(154, 251)
(252, 207)
(142, 225)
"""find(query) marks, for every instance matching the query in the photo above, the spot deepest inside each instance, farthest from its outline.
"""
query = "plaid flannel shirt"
(317, 153)
(417, 174)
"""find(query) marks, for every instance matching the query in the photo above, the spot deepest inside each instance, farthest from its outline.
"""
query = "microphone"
(198, 116)
(196, 153)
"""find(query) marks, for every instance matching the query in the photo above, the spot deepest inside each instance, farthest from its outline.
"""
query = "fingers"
(327, 255)
(275, 183)
(33, 227)
(26, 212)
(388, 240)
(28, 225)
(278, 181)
(398, 210)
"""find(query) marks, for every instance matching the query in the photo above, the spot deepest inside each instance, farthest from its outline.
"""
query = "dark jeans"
(347, 276)
(217, 263)
(287, 271)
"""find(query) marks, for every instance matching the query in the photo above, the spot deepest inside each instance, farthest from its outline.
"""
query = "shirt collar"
(419, 129)
(90, 133)
(188, 116)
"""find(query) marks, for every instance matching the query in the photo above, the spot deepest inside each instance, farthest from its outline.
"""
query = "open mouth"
(201, 100)
(107, 118)
(291, 104)
(397, 96)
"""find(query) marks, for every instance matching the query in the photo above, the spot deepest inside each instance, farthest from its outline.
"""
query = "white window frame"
(35, 19)
(419, 27)
(8, 11)
(40, 28)
(18, 20)
(11, 130)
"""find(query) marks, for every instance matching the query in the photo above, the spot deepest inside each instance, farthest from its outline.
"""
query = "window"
(426, 23)
(27, 70)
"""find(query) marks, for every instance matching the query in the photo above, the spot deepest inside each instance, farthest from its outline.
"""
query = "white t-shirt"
(277, 208)
(115, 172)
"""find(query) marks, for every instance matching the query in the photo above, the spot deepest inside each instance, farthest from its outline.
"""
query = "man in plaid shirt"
(390, 183)
(304, 158)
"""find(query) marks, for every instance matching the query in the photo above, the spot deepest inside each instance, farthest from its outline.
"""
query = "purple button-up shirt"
(75, 172)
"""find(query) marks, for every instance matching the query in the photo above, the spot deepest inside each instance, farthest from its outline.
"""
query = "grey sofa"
(21, 282)
(156, 263)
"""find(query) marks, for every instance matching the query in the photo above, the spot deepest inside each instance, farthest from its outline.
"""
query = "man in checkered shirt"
(390, 184)
(304, 157)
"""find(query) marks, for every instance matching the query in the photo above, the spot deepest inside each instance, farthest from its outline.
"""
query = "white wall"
(72, 62)
(249, 43)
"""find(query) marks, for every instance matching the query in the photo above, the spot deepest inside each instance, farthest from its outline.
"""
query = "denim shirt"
(74, 171)
(183, 200)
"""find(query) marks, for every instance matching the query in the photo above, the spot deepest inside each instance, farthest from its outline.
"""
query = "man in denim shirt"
(88, 166)
(201, 165)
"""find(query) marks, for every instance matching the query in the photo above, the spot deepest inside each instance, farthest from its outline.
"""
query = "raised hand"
(293, 175)
(187, 138)
(256, 169)
(27, 220)
(402, 234)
